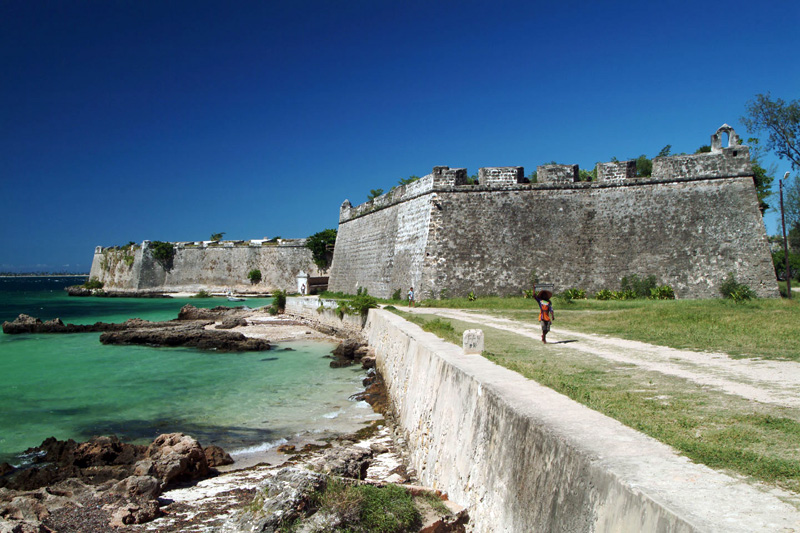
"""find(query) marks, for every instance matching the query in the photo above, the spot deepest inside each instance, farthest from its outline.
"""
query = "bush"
(93, 283)
(279, 301)
(163, 252)
(574, 294)
(663, 292)
(254, 276)
(397, 295)
(359, 305)
(626, 294)
(321, 245)
(471, 296)
(733, 290)
(202, 294)
(604, 294)
(640, 286)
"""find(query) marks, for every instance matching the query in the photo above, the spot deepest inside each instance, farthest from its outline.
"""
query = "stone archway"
(716, 139)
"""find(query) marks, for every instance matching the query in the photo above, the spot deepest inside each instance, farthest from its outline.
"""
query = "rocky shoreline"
(175, 484)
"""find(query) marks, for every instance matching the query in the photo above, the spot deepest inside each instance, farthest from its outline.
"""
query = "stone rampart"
(322, 312)
(452, 240)
(207, 266)
(522, 457)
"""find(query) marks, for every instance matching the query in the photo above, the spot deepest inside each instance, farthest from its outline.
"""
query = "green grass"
(388, 509)
(763, 328)
(713, 428)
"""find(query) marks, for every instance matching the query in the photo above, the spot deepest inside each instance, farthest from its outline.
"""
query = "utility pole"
(785, 246)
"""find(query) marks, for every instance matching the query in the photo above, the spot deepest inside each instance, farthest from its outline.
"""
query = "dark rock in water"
(77, 290)
(269, 359)
(340, 363)
(230, 323)
(347, 349)
(216, 456)
(6, 468)
(191, 336)
(28, 324)
(174, 457)
(190, 312)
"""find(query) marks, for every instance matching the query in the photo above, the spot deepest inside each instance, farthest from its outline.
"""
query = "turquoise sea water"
(71, 386)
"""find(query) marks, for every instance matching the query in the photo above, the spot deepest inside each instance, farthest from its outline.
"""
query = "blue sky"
(125, 121)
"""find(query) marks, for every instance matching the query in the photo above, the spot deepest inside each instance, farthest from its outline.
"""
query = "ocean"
(73, 387)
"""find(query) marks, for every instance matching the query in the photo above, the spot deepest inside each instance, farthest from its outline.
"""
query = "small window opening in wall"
(735, 153)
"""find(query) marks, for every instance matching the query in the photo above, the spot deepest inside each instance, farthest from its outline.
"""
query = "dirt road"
(773, 382)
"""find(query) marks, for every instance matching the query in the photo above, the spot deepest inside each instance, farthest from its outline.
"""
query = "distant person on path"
(411, 297)
(546, 314)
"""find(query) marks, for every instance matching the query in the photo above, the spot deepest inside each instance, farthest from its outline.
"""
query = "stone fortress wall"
(689, 224)
(208, 266)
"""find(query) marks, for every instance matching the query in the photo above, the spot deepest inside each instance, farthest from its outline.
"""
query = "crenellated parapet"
(557, 173)
(733, 160)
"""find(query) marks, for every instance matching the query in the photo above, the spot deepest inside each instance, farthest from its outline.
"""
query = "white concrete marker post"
(473, 341)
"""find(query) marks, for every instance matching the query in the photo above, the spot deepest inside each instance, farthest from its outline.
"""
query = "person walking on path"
(546, 314)
(411, 297)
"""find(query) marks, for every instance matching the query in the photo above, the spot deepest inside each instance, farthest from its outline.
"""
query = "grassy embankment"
(720, 430)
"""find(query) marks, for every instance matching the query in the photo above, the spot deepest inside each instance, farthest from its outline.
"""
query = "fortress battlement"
(719, 163)
(691, 222)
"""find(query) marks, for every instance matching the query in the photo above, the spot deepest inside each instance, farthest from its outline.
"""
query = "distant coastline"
(41, 275)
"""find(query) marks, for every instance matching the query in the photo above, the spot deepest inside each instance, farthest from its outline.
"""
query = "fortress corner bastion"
(689, 224)
(206, 265)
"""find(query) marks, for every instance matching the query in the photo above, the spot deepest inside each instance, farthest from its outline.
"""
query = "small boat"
(232, 298)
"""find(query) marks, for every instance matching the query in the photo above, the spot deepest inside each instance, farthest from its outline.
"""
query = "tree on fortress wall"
(781, 121)
(321, 245)
(163, 253)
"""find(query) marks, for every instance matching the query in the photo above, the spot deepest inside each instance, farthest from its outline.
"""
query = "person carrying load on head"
(546, 314)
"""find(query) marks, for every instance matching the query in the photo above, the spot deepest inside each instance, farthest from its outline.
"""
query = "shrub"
(279, 300)
(202, 294)
(663, 292)
(626, 294)
(397, 295)
(254, 276)
(359, 305)
(604, 294)
(527, 294)
(471, 296)
(163, 252)
(93, 283)
(733, 290)
(640, 286)
(321, 245)
(575, 294)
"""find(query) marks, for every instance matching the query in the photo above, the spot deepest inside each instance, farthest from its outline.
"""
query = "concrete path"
(773, 382)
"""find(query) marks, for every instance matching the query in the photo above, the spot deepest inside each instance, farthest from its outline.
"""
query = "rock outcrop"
(188, 330)
(111, 482)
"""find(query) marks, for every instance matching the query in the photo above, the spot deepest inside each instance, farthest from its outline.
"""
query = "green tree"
(217, 236)
(374, 193)
(321, 245)
(163, 253)
(706, 148)
(254, 276)
(644, 166)
(780, 121)
(665, 152)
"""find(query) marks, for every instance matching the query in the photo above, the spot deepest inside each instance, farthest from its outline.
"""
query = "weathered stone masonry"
(692, 222)
(202, 266)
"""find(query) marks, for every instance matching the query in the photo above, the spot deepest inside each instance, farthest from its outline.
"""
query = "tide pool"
(71, 386)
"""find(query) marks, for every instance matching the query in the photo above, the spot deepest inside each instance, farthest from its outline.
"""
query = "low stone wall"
(322, 312)
(524, 458)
